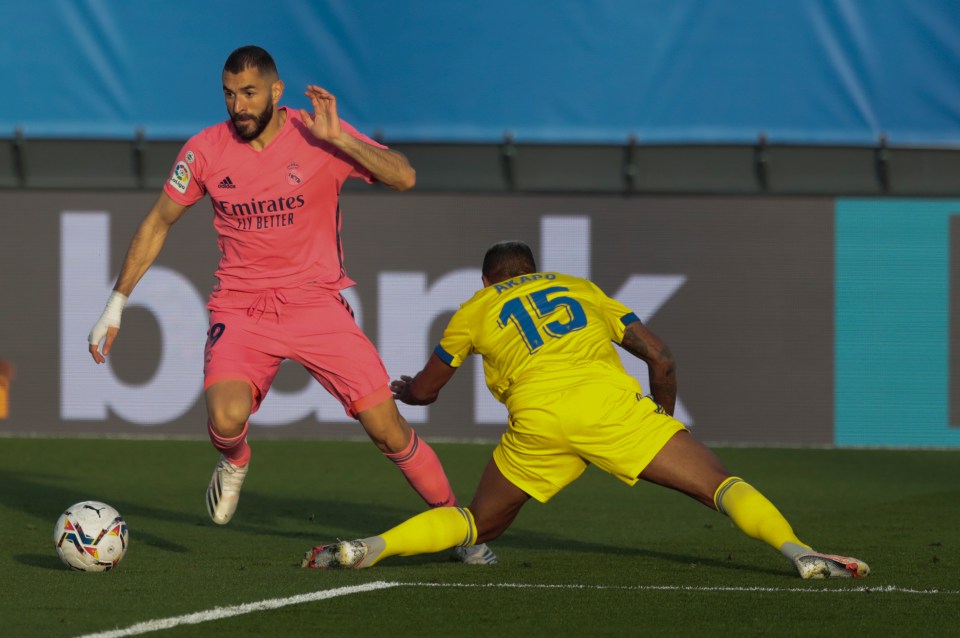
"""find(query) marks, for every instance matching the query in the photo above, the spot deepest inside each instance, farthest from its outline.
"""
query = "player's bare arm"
(643, 344)
(143, 251)
(424, 388)
(387, 165)
(148, 241)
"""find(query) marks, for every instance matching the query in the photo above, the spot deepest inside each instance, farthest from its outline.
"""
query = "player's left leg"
(327, 341)
(387, 428)
(686, 465)
(391, 433)
(345, 362)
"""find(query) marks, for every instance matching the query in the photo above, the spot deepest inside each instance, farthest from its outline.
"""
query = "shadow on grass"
(312, 520)
(537, 542)
(36, 496)
(359, 520)
(41, 561)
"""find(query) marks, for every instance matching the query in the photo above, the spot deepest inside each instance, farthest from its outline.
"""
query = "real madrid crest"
(294, 177)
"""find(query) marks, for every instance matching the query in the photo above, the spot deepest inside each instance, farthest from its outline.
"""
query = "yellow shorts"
(553, 436)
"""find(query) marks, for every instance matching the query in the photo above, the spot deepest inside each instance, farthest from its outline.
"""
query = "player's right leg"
(228, 407)
(493, 509)
(431, 531)
(496, 503)
(238, 370)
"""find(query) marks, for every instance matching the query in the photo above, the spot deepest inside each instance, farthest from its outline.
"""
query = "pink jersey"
(276, 211)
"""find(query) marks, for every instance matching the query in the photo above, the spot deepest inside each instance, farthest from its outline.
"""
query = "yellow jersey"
(540, 332)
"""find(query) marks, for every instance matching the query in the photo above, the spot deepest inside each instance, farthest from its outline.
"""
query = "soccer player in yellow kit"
(547, 345)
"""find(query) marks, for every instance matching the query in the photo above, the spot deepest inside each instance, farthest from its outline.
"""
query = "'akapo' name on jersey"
(522, 279)
(260, 214)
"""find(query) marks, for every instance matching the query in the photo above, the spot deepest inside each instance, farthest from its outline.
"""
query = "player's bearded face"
(250, 99)
(249, 126)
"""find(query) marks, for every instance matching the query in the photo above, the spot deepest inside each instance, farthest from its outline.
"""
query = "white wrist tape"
(109, 318)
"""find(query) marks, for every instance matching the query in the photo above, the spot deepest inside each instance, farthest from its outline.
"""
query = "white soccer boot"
(476, 555)
(339, 555)
(223, 492)
(813, 565)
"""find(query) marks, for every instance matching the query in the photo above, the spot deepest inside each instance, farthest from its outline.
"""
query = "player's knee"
(393, 441)
(228, 418)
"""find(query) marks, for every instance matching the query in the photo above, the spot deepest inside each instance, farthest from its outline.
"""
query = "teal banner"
(896, 307)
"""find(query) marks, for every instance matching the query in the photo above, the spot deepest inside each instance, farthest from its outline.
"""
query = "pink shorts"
(251, 333)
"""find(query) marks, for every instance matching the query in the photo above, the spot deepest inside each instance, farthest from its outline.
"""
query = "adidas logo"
(226, 183)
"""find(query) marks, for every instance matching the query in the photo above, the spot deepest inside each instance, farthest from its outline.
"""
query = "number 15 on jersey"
(543, 303)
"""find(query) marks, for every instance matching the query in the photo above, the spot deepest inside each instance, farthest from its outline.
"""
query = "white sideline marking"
(237, 610)
(883, 589)
(275, 603)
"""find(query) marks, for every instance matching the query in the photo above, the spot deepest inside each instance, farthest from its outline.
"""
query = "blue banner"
(684, 71)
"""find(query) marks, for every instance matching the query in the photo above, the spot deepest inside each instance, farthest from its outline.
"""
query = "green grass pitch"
(601, 559)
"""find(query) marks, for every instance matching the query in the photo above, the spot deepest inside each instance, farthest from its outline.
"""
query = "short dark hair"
(250, 57)
(507, 259)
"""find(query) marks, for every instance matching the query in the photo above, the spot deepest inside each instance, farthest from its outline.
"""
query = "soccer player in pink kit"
(274, 176)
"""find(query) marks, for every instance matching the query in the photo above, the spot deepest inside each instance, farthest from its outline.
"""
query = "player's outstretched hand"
(324, 123)
(399, 387)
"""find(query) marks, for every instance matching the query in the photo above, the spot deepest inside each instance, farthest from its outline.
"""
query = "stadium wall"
(794, 320)
(754, 178)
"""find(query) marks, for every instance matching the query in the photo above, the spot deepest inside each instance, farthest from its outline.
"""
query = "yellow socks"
(432, 531)
(445, 527)
(756, 516)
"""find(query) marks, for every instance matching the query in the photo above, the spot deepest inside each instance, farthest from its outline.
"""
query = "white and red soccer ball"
(91, 537)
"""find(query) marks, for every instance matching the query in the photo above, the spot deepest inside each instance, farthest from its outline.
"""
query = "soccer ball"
(90, 537)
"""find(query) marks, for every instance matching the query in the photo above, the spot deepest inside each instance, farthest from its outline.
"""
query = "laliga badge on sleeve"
(180, 178)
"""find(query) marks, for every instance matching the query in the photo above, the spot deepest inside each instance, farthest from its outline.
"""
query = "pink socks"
(234, 449)
(421, 467)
